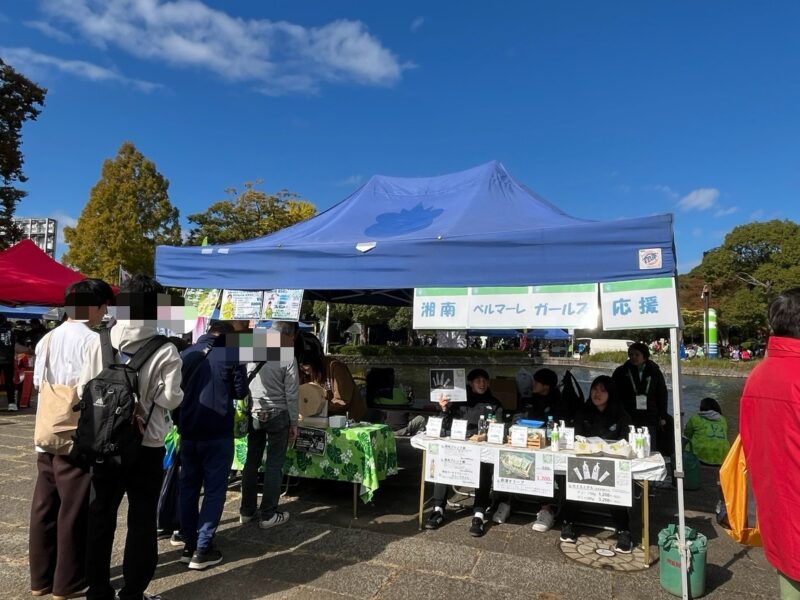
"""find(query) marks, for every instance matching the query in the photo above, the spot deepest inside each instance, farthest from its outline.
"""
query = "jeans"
(141, 480)
(204, 464)
(274, 433)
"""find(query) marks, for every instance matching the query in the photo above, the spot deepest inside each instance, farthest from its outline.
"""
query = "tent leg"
(327, 325)
(678, 472)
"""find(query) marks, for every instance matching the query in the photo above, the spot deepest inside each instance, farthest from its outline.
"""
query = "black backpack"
(571, 394)
(110, 429)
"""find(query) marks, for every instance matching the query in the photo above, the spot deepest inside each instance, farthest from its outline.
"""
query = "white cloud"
(352, 181)
(50, 31)
(416, 24)
(663, 189)
(699, 199)
(277, 56)
(724, 212)
(35, 65)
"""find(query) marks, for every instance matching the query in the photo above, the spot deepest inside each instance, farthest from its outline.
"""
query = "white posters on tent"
(450, 383)
(599, 480)
(453, 464)
(522, 472)
(204, 300)
(639, 303)
(240, 304)
(543, 306)
(282, 304)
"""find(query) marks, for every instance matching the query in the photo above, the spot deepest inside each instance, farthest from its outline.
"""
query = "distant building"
(41, 231)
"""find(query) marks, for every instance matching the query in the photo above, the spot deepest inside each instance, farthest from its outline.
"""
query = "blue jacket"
(207, 410)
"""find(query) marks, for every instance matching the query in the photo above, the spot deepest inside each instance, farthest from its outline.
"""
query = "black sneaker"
(186, 556)
(203, 560)
(434, 520)
(478, 527)
(568, 533)
(176, 539)
(624, 542)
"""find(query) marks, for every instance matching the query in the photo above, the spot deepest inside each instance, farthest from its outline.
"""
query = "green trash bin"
(669, 562)
(691, 467)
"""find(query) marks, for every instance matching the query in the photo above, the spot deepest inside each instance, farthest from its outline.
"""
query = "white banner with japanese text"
(639, 303)
(599, 480)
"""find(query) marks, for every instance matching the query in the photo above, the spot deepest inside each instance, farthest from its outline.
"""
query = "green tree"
(128, 214)
(368, 315)
(19, 98)
(248, 214)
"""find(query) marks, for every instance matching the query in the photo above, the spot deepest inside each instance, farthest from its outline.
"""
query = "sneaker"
(186, 556)
(147, 596)
(42, 592)
(501, 514)
(246, 518)
(568, 533)
(624, 542)
(203, 560)
(544, 520)
(434, 520)
(279, 518)
(176, 539)
(78, 594)
(478, 527)
(12, 406)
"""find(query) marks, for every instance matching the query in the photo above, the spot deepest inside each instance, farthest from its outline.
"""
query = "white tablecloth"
(651, 468)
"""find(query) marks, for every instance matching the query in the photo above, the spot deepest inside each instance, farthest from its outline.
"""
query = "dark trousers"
(482, 492)
(7, 369)
(275, 433)
(141, 480)
(204, 464)
(57, 538)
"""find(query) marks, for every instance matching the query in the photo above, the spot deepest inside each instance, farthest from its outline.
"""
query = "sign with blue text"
(639, 303)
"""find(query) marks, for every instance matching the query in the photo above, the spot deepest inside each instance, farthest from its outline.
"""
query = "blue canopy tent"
(545, 334)
(24, 312)
(478, 227)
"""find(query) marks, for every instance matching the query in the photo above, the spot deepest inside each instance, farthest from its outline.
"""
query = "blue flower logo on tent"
(406, 221)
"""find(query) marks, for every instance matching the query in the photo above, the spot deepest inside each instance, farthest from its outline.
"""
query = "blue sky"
(607, 109)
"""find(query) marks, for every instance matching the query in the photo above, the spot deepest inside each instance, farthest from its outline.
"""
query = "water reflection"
(726, 390)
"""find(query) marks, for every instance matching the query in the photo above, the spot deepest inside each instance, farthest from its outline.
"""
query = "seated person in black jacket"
(603, 416)
(480, 403)
(545, 400)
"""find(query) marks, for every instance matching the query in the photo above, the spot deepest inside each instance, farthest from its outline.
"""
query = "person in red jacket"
(770, 428)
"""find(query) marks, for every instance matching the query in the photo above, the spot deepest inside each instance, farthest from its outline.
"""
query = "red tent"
(29, 276)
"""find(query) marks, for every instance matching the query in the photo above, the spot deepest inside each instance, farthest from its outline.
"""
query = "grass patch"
(663, 360)
(422, 351)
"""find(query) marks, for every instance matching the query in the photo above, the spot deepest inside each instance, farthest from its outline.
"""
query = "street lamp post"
(705, 296)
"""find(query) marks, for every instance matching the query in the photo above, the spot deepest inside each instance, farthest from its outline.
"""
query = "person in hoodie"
(159, 390)
(708, 432)
(480, 403)
(205, 423)
(643, 391)
(603, 416)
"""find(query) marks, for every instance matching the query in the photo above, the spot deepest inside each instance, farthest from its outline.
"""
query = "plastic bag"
(736, 513)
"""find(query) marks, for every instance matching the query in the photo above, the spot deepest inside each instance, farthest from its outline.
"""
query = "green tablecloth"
(366, 454)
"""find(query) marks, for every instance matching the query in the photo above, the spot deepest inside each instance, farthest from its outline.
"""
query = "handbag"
(243, 408)
(56, 422)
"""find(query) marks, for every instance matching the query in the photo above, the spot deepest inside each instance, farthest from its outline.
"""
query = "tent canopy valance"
(30, 276)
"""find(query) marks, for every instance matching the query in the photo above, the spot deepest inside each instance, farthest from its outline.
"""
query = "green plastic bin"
(691, 467)
(669, 562)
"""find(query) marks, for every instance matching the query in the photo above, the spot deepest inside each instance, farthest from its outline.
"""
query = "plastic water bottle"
(550, 425)
(481, 424)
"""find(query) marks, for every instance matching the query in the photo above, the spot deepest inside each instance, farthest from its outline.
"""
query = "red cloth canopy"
(29, 276)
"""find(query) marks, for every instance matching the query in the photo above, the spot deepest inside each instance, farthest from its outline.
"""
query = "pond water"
(727, 390)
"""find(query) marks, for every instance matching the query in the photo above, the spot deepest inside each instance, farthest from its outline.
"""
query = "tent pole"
(327, 325)
(678, 470)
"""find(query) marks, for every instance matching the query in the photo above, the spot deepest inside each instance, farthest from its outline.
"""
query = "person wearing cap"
(643, 391)
(545, 399)
(480, 403)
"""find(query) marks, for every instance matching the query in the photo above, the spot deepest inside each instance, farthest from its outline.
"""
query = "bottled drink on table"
(481, 424)
(550, 424)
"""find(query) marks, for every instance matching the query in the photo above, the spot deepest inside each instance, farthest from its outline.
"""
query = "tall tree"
(248, 214)
(128, 214)
(19, 98)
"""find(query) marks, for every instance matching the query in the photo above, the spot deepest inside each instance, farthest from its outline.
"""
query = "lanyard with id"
(641, 399)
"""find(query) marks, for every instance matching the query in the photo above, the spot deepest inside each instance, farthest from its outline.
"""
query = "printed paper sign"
(640, 303)
(433, 428)
(567, 436)
(282, 304)
(496, 433)
(519, 437)
(524, 472)
(599, 480)
(310, 440)
(440, 308)
(453, 464)
(565, 306)
(204, 300)
(499, 307)
(240, 304)
(450, 383)
(458, 429)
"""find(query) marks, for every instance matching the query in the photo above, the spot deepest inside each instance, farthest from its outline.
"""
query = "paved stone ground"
(323, 553)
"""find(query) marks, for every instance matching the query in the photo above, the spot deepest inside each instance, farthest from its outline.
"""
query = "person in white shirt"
(57, 534)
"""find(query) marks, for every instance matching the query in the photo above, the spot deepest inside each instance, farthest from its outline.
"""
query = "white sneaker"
(246, 518)
(501, 514)
(279, 518)
(12, 406)
(544, 520)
